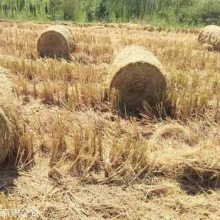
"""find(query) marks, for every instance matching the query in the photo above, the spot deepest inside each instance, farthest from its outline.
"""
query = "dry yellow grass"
(92, 163)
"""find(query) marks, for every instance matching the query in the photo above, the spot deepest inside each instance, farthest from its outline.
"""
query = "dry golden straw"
(55, 42)
(210, 36)
(138, 77)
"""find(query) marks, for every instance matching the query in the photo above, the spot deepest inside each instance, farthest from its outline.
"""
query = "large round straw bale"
(210, 35)
(55, 42)
(8, 111)
(138, 77)
(5, 137)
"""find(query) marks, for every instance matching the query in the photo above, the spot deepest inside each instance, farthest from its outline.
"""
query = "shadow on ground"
(7, 178)
(196, 181)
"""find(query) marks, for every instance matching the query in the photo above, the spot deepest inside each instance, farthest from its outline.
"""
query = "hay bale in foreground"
(138, 77)
(55, 42)
(210, 36)
(5, 137)
(8, 112)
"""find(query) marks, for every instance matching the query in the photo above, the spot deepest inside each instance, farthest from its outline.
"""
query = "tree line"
(189, 12)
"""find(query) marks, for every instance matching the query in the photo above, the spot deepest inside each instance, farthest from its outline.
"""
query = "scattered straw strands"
(210, 35)
(138, 77)
(55, 42)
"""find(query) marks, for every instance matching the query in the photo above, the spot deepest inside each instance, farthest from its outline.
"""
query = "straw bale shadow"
(197, 181)
(7, 178)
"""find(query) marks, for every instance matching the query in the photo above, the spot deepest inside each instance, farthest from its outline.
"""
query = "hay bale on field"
(138, 77)
(8, 111)
(55, 42)
(6, 140)
(210, 36)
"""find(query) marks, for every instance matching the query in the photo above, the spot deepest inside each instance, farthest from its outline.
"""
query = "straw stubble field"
(82, 160)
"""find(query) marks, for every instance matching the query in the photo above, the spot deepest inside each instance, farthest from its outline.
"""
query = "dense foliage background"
(187, 12)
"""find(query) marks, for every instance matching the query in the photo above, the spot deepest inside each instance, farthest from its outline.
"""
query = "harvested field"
(79, 159)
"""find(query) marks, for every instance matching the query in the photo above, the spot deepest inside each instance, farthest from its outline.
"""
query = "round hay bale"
(210, 35)
(5, 137)
(55, 42)
(138, 78)
(8, 114)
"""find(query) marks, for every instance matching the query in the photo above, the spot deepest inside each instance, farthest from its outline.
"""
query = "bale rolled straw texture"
(138, 77)
(8, 114)
(210, 36)
(55, 42)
